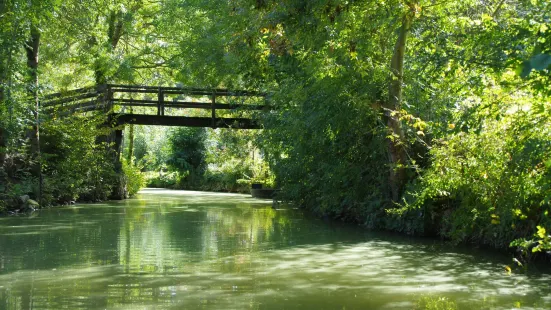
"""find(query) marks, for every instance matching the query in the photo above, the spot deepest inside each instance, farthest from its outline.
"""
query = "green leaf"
(541, 232)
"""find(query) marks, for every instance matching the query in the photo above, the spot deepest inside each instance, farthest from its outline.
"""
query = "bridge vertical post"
(160, 102)
(101, 90)
(213, 111)
(105, 98)
(109, 98)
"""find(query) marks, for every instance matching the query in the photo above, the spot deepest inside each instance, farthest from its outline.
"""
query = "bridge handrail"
(102, 98)
(69, 92)
(184, 90)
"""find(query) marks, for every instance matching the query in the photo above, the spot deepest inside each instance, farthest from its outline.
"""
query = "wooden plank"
(156, 91)
(84, 109)
(78, 105)
(64, 100)
(139, 91)
(219, 92)
(184, 90)
(190, 105)
(217, 106)
(138, 105)
(160, 120)
(186, 105)
(69, 93)
(138, 102)
(196, 92)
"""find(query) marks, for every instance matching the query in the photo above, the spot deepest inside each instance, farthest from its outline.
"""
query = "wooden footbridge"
(151, 105)
(164, 106)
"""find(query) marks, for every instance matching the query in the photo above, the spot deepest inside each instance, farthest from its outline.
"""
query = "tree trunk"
(4, 64)
(2, 133)
(396, 146)
(32, 47)
(115, 28)
(2, 147)
(114, 138)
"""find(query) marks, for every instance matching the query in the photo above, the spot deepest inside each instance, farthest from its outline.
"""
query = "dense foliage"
(427, 117)
(202, 159)
(187, 155)
(134, 178)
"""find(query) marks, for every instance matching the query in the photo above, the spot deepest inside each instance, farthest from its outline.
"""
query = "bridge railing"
(73, 101)
(162, 98)
(114, 98)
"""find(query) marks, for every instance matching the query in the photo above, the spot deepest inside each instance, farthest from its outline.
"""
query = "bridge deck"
(185, 121)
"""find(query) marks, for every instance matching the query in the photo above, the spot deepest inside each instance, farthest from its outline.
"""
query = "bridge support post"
(112, 139)
(119, 191)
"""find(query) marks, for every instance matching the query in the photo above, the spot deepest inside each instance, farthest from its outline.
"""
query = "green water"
(193, 250)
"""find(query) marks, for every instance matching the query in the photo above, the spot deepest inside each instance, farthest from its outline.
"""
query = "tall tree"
(396, 141)
(32, 47)
(8, 38)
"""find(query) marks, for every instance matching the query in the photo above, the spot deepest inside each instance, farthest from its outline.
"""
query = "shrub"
(166, 180)
(76, 165)
(134, 178)
(492, 186)
(187, 156)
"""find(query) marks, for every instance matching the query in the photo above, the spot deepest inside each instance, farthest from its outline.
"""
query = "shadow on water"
(178, 249)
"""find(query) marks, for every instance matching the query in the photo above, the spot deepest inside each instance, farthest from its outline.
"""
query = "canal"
(195, 250)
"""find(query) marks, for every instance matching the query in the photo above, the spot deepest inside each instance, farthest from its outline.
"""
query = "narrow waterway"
(195, 250)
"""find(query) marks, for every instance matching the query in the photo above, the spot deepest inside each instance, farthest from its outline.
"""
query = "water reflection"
(175, 249)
